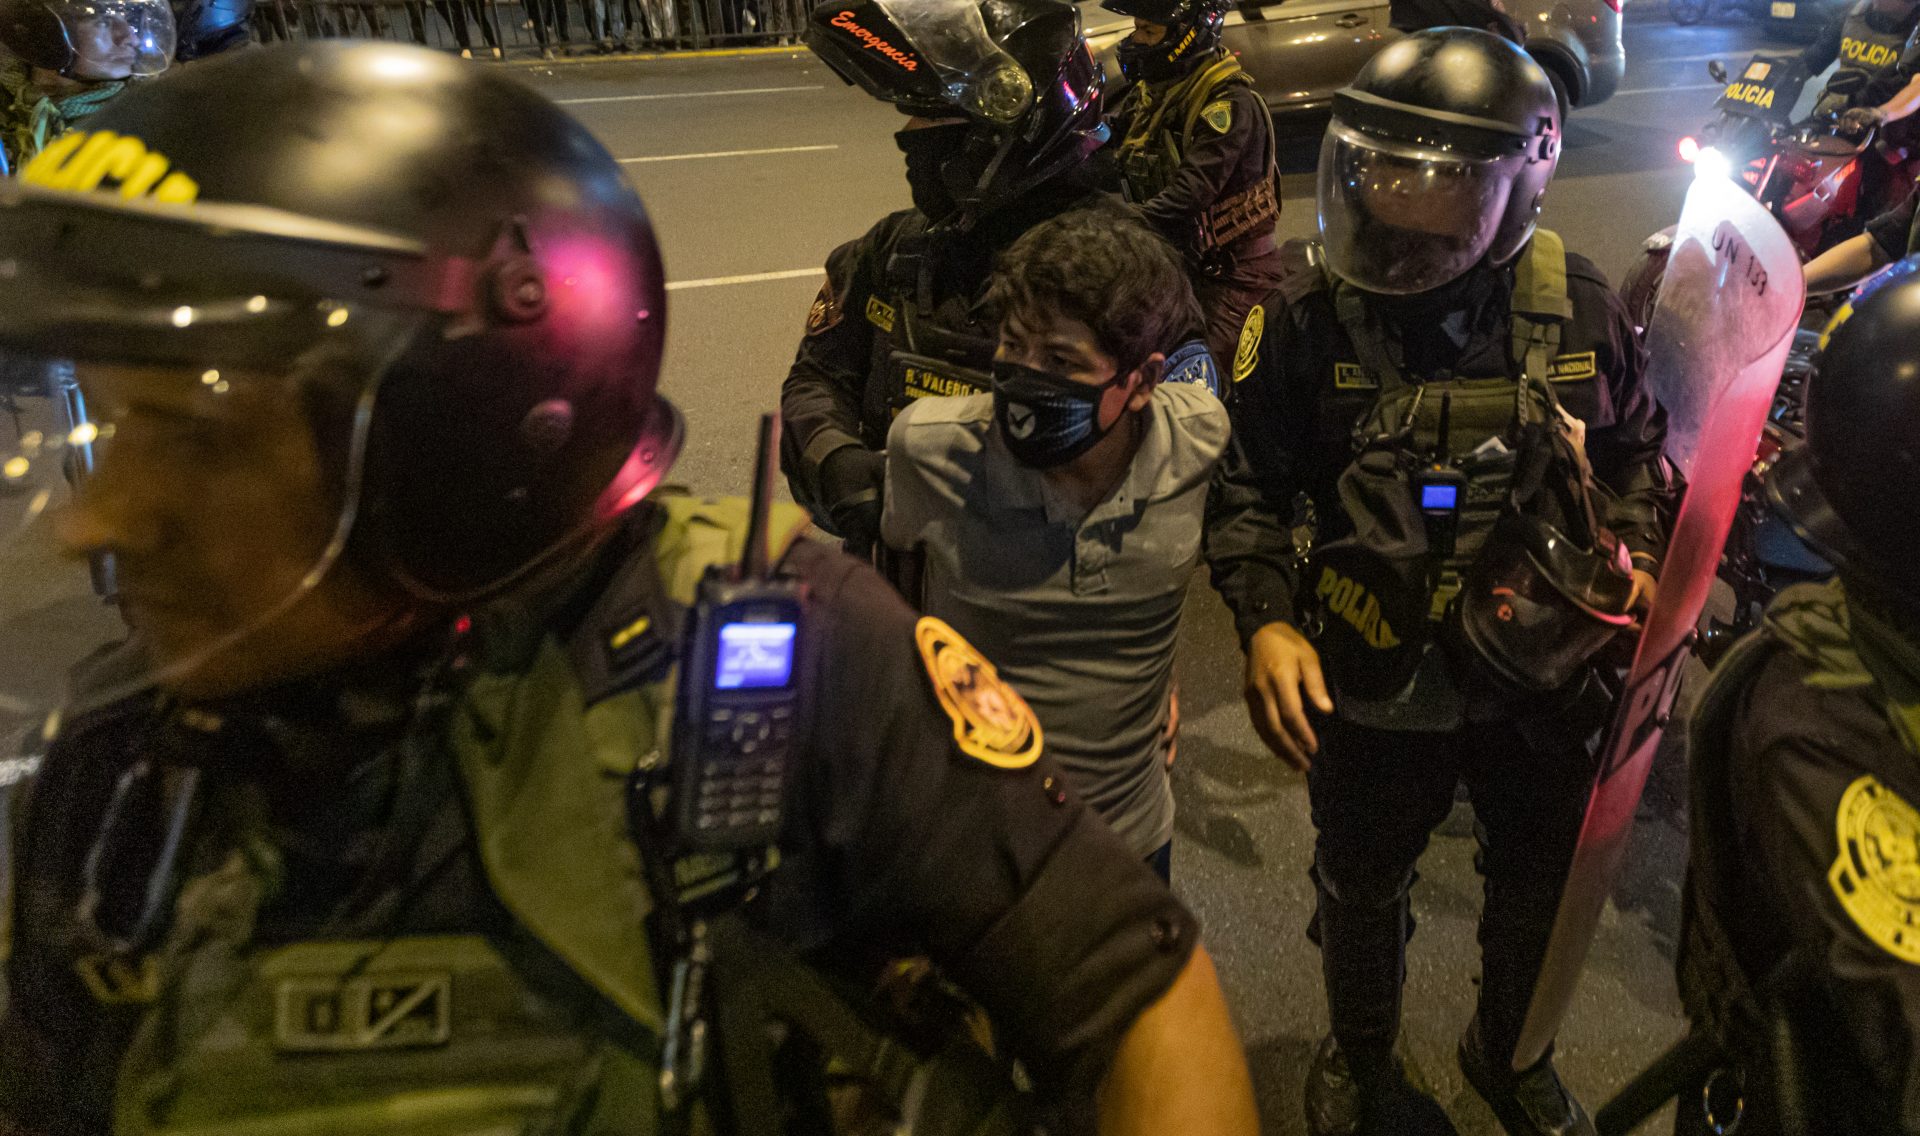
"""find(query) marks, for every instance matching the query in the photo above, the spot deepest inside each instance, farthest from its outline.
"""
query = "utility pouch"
(1370, 591)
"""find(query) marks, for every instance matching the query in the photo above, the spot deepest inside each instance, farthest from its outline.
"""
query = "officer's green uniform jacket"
(1801, 944)
(408, 901)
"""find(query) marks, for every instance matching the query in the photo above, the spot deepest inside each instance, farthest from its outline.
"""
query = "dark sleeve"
(1211, 163)
(1626, 455)
(1892, 231)
(820, 402)
(1820, 54)
(1008, 881)
(1790, 784)
(1248, 539)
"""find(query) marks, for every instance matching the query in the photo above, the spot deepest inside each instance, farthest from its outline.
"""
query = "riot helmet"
(1853, 489)
(1536, 604)
(208, 27)
(1019, 74)
(1437, 160)
(1192, 32)
(399, 310)
(90, 40)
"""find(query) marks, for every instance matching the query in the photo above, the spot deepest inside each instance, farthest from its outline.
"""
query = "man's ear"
(1151, 371)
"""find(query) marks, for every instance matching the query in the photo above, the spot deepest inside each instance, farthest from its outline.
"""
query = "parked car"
(1300, 52)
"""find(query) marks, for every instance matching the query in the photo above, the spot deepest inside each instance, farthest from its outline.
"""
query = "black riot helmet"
(1437, 159)
(90, 40)
(448, 276)
(1854, 488)
(1193, 31)
(1018, 71)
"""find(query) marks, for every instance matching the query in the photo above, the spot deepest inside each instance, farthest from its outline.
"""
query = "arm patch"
(1876, 876)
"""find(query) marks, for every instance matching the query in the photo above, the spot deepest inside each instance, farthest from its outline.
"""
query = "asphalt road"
(755, 167)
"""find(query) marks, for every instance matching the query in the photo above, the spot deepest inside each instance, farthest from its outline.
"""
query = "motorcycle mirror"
(1716, 71)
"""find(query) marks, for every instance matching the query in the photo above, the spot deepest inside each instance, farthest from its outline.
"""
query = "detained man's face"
(105, 47)
(1067, 348)
(221, 514)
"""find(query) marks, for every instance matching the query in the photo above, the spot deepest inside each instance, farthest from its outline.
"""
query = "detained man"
(1055, 521)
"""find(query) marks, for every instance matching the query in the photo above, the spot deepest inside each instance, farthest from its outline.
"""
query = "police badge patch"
(1247, 356)
(1218, 115)
(991, 722)
(1877, 875)
(825, 314)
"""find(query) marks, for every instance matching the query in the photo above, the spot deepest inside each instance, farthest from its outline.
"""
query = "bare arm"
(1843, 265)
(1180, 1068)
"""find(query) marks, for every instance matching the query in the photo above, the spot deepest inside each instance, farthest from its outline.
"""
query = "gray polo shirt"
(1078, 610)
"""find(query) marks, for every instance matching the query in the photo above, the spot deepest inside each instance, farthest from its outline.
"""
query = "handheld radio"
(1441, 488)
(744, 678)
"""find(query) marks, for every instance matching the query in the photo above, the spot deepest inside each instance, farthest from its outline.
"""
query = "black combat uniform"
(1874, 49)
(1378, 793)
(1198, 152)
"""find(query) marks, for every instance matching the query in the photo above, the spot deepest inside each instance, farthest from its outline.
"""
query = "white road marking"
(726, 154)
(690, 94)
(1670, 90)
(750, 278)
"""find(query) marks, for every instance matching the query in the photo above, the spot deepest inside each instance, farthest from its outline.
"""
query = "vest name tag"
(1573, 368)
(1352, 376)
(388, 1011)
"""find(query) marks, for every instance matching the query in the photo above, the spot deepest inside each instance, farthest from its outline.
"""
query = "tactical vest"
(922, 347)
(1867, 57)
(448, 1034)
(1744, 1004)
(1159, 133)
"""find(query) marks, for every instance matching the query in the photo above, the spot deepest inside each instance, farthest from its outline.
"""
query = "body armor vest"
(1159, 134)
(923, 346)
(454, 1034)
(1866, 57)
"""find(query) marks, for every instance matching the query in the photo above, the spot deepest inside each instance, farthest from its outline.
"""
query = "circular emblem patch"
(1877, 875)
(991, 722)
(825, 312)
(1247, 355)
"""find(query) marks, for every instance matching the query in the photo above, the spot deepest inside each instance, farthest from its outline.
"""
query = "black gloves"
(851, 481)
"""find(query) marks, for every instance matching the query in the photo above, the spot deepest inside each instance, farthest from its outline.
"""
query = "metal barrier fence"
(542, 28)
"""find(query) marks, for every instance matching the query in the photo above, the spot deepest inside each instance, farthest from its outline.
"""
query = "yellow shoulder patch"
(1218, 115)
(1573, 368)
(1877, 875)
(991, 722)
(880, 313)
(1247, 356)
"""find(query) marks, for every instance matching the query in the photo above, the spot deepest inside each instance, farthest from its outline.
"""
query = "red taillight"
(1689, 149)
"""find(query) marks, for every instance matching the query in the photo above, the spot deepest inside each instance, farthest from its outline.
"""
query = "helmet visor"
(1398, 218)
(183, 462)
(118, 39)
(929, 56)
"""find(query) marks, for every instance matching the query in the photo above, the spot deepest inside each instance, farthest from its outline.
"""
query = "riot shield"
(1719, 336)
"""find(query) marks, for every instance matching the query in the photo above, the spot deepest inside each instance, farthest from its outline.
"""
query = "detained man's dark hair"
(1108, 269)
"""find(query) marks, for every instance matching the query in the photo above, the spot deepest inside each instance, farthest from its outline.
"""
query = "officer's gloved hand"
(851, 481)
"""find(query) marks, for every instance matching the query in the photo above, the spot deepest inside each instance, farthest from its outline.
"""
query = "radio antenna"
(753, 555)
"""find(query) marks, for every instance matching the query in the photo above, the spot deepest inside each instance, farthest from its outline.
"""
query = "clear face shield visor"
(1398, 218)
(180, 464)
(941, 59)
(118, 39)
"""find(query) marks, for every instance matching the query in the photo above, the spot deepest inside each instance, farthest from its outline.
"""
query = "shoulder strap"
(1220, 73)
(1541, 306)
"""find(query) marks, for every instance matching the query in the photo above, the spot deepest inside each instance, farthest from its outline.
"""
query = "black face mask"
(928, 149)
(1044, 419)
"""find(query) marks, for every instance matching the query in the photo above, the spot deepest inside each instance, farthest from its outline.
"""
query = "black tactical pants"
(1376, 797)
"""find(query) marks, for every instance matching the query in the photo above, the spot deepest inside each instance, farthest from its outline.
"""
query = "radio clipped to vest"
(742, 691)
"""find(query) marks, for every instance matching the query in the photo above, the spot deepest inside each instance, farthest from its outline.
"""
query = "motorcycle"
(1809, 174)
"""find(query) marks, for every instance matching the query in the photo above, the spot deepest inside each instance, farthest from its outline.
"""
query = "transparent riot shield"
(1721, 327)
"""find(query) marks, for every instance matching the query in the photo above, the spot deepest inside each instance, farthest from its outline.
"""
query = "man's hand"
(1282, 667)
(852, 480)
(1172, 734)
(1180, 1068)
(1861, 119)
(1645, 590)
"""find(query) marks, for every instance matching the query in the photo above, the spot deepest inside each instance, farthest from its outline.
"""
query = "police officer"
(377, 826)
(1799, 961)
(1195, 145)
(1005, 107)
(1869, 40)
(1459, 400)
(66, 59)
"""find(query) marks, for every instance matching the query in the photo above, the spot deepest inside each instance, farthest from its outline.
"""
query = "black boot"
(1369, 1096)
(1533, 1103)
